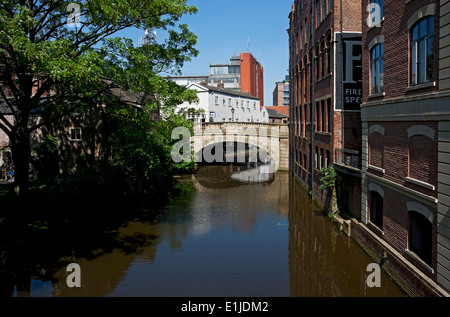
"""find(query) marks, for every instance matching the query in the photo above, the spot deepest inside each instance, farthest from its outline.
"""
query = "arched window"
(422, 51)
(377, 68)
(376, 209)
(420, 236)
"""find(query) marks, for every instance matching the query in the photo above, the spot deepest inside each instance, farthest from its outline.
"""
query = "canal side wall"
(400, 269)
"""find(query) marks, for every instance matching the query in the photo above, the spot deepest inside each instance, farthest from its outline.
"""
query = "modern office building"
(243, 73)
(405, 205)
(281, 93)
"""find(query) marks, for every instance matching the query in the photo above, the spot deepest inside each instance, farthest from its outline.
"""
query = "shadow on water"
(37, 244)
(241, 232)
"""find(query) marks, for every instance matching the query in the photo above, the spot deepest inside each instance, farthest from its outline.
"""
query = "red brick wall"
(328, 135)
(401, 273)
(351, 20)
(402, 157)
(396, 46)
(252, 77)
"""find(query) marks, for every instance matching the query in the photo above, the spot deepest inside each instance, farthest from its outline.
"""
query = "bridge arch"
(226, 142)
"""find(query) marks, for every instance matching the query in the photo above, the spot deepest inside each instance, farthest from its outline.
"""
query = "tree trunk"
(21, 154)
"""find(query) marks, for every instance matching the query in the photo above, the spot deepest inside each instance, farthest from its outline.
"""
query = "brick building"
(252, 77)
(243, 73)
(281, 93)
(320, 136)
(405, 205)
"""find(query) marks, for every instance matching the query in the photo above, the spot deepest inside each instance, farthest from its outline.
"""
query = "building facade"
(243, 73)
(252, 77)
(281, 93)
(217, 104)
(405, 114)
(320, 135)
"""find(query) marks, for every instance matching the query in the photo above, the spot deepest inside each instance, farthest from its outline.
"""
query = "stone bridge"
(265, 141)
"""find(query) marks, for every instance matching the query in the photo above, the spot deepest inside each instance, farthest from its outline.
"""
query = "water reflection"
(322, 260)
(243, 232)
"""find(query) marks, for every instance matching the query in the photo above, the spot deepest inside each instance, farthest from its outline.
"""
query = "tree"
(58, 68)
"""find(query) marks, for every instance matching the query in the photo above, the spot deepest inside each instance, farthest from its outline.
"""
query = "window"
(217, 100)
(318, 14)
(329, 116)
(377, 68)
(380, 3)
(75, 134)
(229, 102)
(324, 11)
(224, 102)
(420, 236)
(329, 6)
(376, 209)
(422, 51)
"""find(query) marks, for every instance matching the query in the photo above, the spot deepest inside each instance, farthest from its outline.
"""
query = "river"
(241, 233)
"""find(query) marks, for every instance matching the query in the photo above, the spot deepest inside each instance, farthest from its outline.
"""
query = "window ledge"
(421, 86)
(420, 183)
(377, 169)
(375, 228)
(322, 133)
(324, 77)
(415, 257)
(377, 95)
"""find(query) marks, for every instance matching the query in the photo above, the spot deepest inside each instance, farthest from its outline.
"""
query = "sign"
(352, 68)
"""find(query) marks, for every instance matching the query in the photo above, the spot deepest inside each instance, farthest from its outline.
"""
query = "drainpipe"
(313, 103)
(342, 88)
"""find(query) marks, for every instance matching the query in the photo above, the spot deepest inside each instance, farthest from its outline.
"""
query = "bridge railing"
(348, 157)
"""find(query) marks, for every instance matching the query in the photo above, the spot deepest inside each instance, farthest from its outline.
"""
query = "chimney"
(220, 84)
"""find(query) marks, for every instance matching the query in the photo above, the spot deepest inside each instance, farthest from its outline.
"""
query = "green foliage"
(46, 158)
(39, 53)
(141, 153)
(328, 177)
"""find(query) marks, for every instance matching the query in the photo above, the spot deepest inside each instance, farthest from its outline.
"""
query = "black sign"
(352, 84)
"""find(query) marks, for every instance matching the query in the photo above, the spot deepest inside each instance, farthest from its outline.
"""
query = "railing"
(350, 158)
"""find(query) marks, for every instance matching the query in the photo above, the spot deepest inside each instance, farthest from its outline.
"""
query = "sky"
(226, 27)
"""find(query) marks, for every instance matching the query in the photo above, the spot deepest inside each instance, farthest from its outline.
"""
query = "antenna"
(248, 44)
(149, 38)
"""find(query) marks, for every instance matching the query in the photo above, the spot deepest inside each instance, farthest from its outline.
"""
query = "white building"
(223, 105)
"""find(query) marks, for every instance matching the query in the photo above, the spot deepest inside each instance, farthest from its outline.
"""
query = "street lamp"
(232, 114)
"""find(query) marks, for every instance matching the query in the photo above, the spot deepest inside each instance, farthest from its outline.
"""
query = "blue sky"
(224, 27)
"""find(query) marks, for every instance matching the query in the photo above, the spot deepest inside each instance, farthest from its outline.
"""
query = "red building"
(252, 77)
(405, 205)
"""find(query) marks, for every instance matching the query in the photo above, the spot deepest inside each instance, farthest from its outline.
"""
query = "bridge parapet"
(248, 128)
